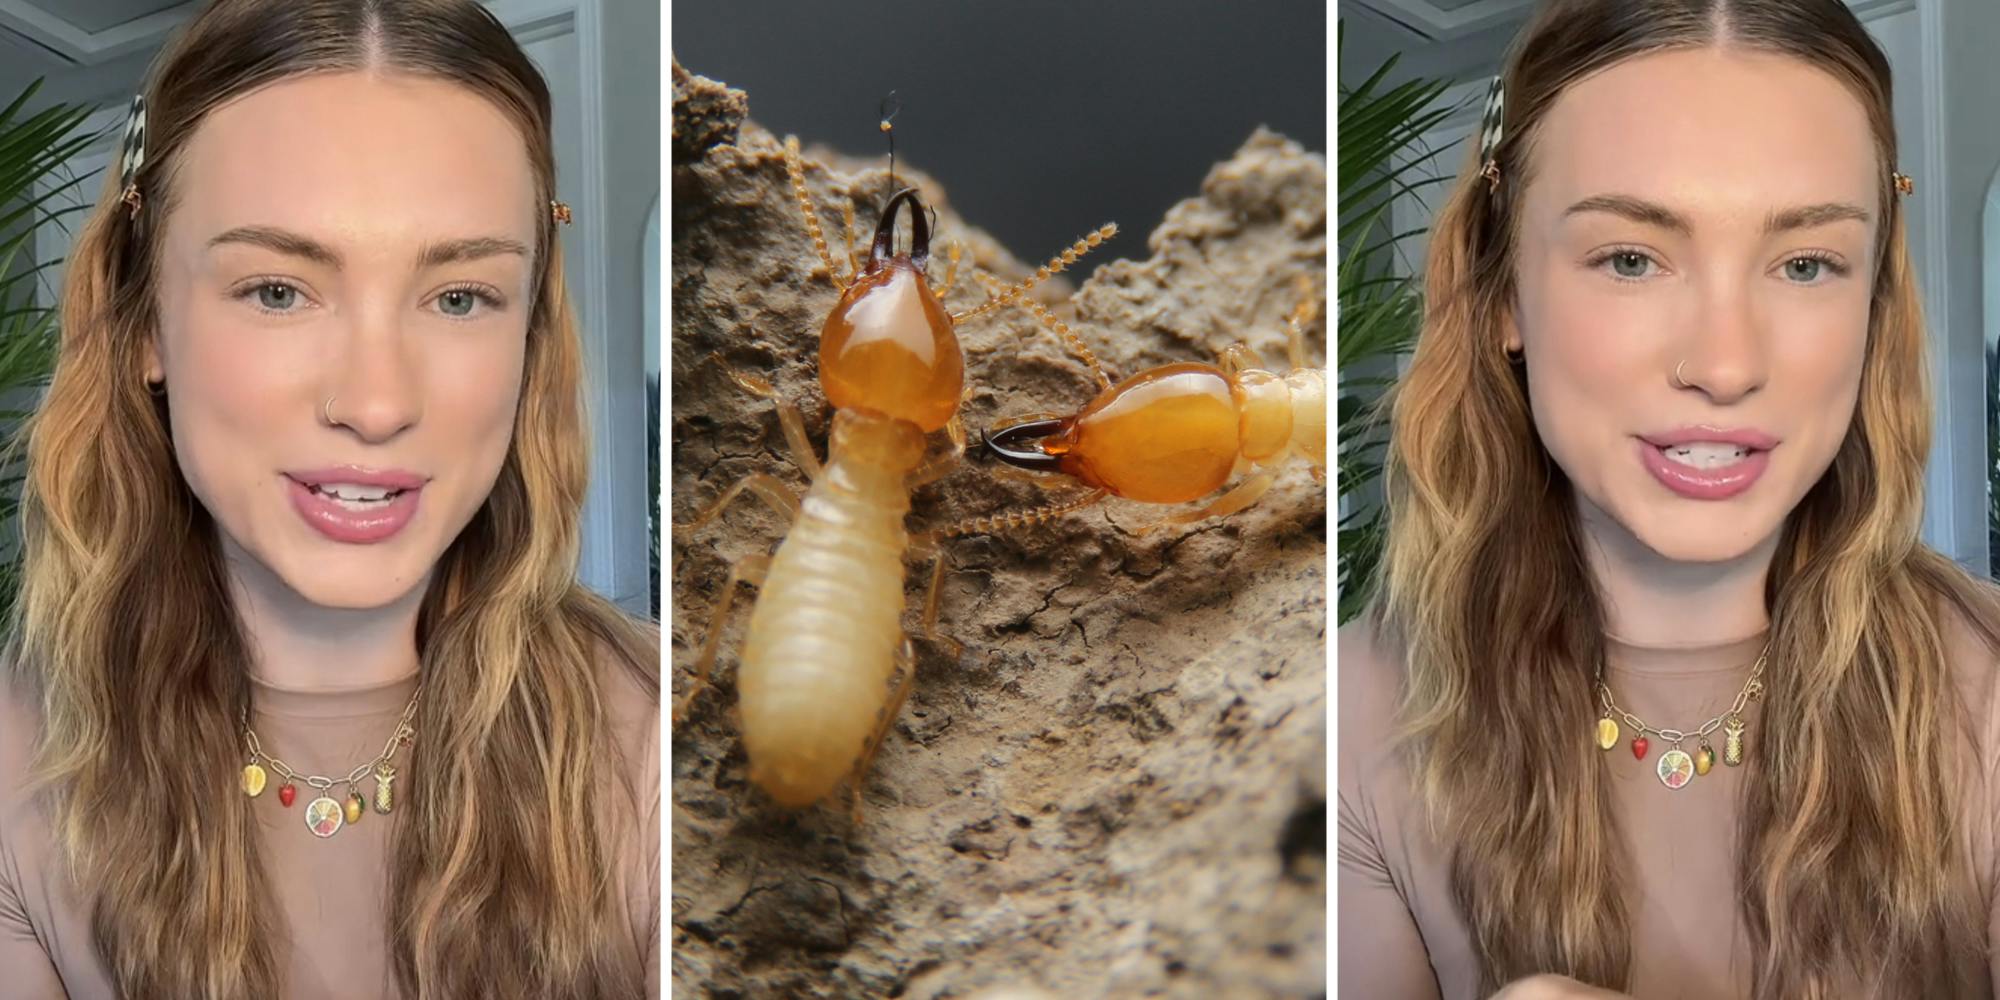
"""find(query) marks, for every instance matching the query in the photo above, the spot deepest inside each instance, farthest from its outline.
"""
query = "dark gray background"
(1041, 119)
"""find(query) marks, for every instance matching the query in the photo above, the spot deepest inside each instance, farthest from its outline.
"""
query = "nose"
(1726, 357)
(373, 387)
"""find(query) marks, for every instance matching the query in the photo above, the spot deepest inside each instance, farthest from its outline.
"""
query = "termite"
(825, 663)
(1179, 432)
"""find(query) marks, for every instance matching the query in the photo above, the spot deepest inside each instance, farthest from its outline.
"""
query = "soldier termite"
(825, 663)
(1178, 432)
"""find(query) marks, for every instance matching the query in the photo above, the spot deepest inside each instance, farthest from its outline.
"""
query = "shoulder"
(1372, 775)
(1370, 684)
(23, 828)
(627, 674)
(20, 727)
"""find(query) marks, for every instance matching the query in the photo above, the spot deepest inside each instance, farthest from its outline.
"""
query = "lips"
(1696, 483)
(355, 506)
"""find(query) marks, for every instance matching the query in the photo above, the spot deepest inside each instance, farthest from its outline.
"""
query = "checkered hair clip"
(133, 155)
(1490, 134)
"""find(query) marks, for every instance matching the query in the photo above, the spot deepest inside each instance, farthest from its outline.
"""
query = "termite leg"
(906, 668)
(798, 175)
(750, 569)
(933, 597)
(1238, 357)
(765, 486)
(789, 418)
(950, 271)
(942, 463)
(1245, 494)
(847, 223)
(1307, 309)
(1056, 265)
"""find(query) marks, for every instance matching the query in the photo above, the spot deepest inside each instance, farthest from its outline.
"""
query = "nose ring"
(326, 410)
(1678, 380)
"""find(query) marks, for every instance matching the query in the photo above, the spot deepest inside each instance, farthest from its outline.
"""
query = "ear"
(1510, 333)
(156, 372)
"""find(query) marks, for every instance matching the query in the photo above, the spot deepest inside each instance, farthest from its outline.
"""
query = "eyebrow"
(1779, 221)
(472, 248)
(281, 241)
(434, 254)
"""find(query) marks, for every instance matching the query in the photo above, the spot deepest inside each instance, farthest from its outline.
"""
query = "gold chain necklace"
(324, 816)
(1676, 768)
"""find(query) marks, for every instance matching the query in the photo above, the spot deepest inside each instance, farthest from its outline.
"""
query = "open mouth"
(355, 497)
(1704, 455)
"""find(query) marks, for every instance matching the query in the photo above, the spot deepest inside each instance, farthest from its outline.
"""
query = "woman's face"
(364, 238)
(1712, 211)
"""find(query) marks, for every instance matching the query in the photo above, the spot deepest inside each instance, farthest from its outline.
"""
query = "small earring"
(559, 211)
(1904, 185)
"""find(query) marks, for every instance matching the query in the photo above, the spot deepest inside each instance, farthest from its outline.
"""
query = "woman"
(307, 700)
(1661, 694)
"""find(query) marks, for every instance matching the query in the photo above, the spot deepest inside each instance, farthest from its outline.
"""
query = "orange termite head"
(889, 347)
(1166, 435)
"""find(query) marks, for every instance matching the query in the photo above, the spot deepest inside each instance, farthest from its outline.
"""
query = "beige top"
(45, 941)
(1402, 937)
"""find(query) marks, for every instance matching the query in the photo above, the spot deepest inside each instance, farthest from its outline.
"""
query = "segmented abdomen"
(821, 647)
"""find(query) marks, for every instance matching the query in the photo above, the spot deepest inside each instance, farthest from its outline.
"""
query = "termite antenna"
(889, 108)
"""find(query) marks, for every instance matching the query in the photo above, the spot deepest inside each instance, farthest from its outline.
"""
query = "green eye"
(1803, 269)
(277, 298)
(457, 302)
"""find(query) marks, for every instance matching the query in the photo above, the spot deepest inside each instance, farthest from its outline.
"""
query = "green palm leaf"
(1383, 159)
(37, 190)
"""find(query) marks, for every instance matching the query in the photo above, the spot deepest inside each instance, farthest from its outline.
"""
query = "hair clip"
(1491, 131)
(132, 156)
(560, 212)
(1904, 185)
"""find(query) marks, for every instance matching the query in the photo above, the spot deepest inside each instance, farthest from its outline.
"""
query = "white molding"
(90, 47)
(614, 572)
(1942, 476)
(1440, 25)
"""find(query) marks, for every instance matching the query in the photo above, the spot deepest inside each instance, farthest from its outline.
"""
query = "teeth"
(1706, 455)
(352, 493)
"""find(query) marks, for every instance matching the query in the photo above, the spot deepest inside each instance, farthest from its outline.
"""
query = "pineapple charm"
(1732, 741)
(385, 781)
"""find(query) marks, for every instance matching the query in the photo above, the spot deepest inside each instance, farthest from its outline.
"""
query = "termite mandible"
(1178, 432)
(825, 663)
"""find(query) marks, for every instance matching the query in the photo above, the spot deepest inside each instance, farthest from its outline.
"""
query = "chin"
(1695, 531)
(353, 578)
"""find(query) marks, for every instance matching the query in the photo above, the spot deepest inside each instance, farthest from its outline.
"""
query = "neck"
(1650, 600)
(294, 643)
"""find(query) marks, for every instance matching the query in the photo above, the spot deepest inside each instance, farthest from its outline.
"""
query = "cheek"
(1591, 357)
(473, 395)
(230, 389)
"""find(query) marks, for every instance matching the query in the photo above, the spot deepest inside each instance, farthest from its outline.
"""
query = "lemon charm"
(1607, 733)
(253, 780)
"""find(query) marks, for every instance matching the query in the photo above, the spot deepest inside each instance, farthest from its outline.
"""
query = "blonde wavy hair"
(499, 883)
(1851, 865)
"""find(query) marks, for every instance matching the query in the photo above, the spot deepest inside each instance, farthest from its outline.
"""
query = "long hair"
(1850, 864)
(499, 883)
